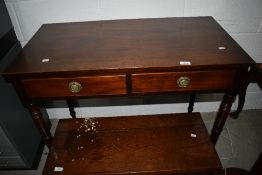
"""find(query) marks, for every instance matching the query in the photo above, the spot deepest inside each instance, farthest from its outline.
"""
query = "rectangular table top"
(154, 144)
(128, 45)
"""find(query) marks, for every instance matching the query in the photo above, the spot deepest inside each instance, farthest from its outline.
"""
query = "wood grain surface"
(128, 45)
(198, 81)
(91, 86)
(156, 144)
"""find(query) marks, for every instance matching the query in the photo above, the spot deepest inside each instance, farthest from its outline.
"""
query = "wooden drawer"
(168, 81)
(78, 86)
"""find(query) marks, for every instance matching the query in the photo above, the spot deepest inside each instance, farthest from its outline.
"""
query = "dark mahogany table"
(129, 57)
(153, 144)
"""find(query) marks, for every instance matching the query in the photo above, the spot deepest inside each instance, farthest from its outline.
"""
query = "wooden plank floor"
(155, 144)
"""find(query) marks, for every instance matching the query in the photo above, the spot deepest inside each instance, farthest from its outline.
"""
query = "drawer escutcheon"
(74, 87)
(183, 81)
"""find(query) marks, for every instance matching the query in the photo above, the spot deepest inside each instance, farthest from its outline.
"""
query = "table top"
(151, 144)
(128, 45)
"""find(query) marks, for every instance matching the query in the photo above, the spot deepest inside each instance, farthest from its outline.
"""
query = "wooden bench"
(153, 144)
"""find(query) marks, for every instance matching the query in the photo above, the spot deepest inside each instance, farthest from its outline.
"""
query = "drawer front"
(79, 86)
(183, 81)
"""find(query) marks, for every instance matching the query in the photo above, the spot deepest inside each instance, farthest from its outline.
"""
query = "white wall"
(241, 18)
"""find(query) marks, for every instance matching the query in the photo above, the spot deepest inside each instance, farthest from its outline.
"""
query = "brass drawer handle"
(183, 82)
(74, 87)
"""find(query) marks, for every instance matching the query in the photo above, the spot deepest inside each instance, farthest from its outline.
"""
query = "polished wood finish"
(199, 81)
(91, 86)
(242, 95)
(192, 99)
(221, 117)
(70, 104)
(254, 76)
(127, 46)
(154, 144)
(257, 74)
(140, 56)
(40, 123)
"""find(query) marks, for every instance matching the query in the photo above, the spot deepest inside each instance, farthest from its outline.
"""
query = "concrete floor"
(238, 146)
(241, 140)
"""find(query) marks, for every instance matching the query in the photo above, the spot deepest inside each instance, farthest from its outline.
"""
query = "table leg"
(40, 123)
(70, 104)
(241, 100)
(192, 99)
(250, 78)
(221, 117)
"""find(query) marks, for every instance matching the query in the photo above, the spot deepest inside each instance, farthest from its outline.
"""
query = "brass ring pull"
(183, 82)
(74, 87)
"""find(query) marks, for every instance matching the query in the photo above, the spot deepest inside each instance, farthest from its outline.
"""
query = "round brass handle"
(183, 81)
(74, 87)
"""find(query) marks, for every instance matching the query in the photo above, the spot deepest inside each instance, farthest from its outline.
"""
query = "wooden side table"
(129, 58)
(155, 144)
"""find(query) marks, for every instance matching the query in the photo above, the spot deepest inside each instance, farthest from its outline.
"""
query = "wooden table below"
(154, 144)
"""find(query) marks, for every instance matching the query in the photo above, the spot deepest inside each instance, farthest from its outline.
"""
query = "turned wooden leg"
(241, 101)
(40, 123)
(192, 99)
(70, 104)
(221, 117)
